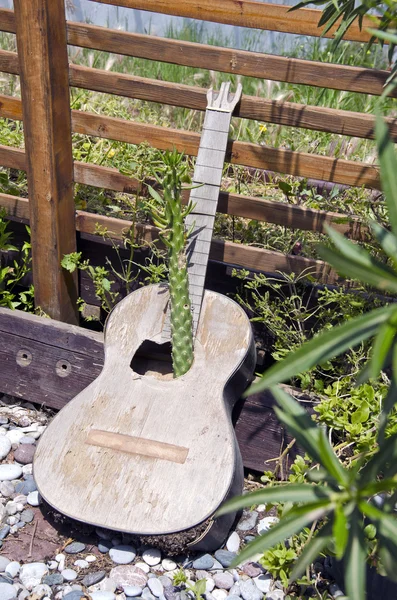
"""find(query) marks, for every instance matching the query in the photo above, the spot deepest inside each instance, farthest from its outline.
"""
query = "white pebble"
(90, 558)
(155, 586)
(31, 574)
(33, 498)
(11, 508)
(12, 569)
(261, 507)
(42, 590)
(233, 542)
(209, 584)
(132, 590)
(265, 524)
(60, 557)
(27, 469)
(69, 574)
(219, 594)
(7, 488)
(8, 472)
(107, 585)
(82, 564)
(152, 556)
(21, 499)
(12, 521)
(5, 446)
(263, 583)
(15, 435)
(102, 595)
(122, 554)
(168, 564)
(145, 568)
(52, 565)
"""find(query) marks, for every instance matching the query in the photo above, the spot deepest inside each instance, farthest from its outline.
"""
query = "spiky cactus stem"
(168, 214)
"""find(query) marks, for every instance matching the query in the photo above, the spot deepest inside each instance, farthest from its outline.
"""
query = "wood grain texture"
(290, 114)
(301, 164)
(246, 13)
(178, 412)
(258, 431)
(227, 60)
(42, 51)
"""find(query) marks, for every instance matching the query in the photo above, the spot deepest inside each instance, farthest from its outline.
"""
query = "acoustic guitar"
(146, 455)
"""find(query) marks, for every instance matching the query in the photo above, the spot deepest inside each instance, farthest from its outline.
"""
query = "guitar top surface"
(144, 455)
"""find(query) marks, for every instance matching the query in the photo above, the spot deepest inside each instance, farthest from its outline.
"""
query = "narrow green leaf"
(386, 528)
(279, 493)
(381, 347)
(374, 273)
(155, 195)
(386, 239)
(381, 461)
(292, 523)
(388, 169)
(390, 400)
(330, 461)
(311, 551)
(385, 485)
(340, 532)
(355, 572)
(323, 347)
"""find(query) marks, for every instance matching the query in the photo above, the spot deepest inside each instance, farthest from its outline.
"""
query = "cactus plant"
(168, 214)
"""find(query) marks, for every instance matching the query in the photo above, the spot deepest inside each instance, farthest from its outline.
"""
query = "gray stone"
(25, 487)
(263, 583)
(75, 548)
(102, 595)
(275, 595)
(235, 590)
(223, 581)
(27, 439)
(216, 566)
(171, 593)
(24, 454)
(128, 575)
(7, 489)
(5, 579)
(27, 516)
(165, 581)
(4, 531)
(3, 420)
(203, 562)
(74, 595)
(131, 591)
(225, 557)
(53, 579)
(7, 591)
(249, 591)
(8, 472)
(3, 563)
(248, 520)
(93, 578)
(219, 594)
(251, 569)
(5, 446)
(104, 546)
(122, 554)
(233, 597)
(146, 593)
(155, 586)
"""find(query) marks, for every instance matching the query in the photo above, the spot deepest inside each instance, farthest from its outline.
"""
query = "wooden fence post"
(43, 60)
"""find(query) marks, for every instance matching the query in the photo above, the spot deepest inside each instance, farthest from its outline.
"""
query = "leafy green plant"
(179, 578)
(339, 501)
(278, 562)
(198, 588)
(13, 272)
(168, 214)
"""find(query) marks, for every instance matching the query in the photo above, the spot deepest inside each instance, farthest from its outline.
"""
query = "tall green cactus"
(168, 214)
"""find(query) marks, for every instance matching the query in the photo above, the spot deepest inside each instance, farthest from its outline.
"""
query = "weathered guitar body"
(152, 456)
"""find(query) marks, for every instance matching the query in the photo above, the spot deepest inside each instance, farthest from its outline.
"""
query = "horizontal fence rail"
(249, 207)
(289, 114)
(246, 13)
(226, 60)
(300, 164)
(249, 257)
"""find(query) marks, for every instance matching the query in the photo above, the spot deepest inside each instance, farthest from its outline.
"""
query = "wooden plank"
(300, 164)
(291, 114)
(227, 60)
(42, 50)
(259, 434)
(246, 13)
(271, 211)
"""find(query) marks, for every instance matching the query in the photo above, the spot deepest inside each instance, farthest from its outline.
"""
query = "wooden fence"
(42, 64)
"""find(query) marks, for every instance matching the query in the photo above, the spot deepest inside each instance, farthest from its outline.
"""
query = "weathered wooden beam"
(290, 114)
(48, 362)
(226, 60)
(248, 13)
(43, 61)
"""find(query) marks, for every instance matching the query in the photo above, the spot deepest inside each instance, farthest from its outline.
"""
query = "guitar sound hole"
(153, 359)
